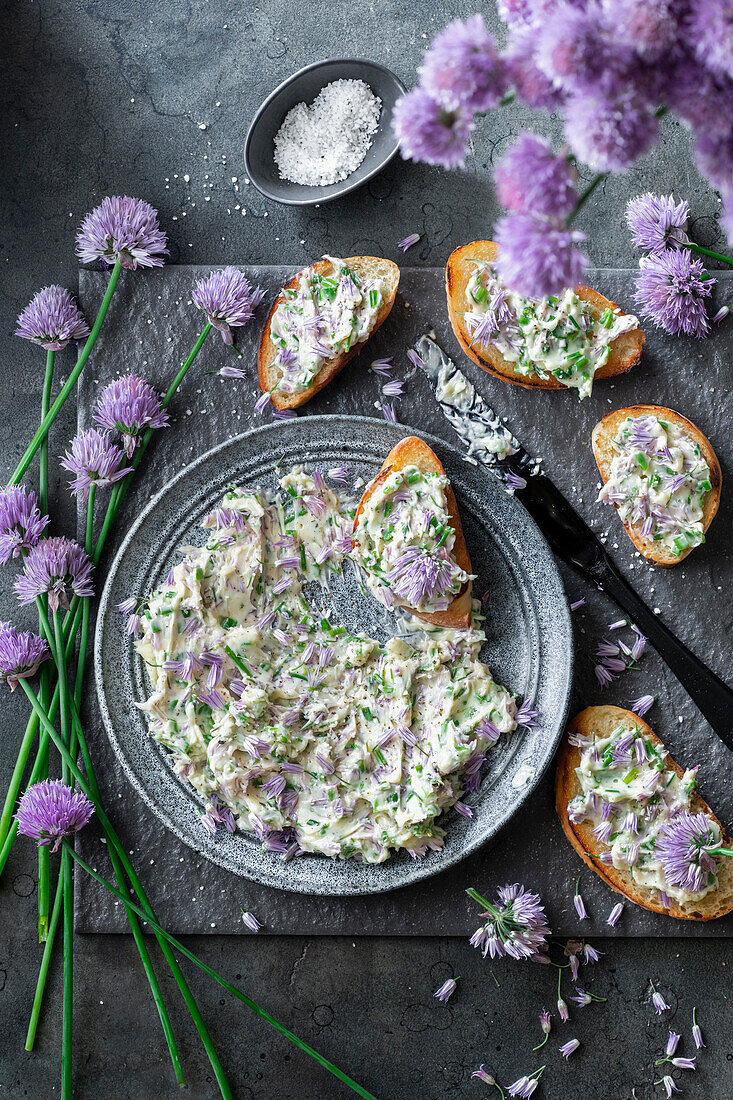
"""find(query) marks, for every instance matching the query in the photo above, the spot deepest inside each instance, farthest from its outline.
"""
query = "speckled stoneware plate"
(529, 640)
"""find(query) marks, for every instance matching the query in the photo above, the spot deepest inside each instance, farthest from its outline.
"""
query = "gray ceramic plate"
(303, 87)
(529, 640)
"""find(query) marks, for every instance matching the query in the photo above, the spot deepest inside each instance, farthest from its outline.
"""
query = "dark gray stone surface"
(106, 98)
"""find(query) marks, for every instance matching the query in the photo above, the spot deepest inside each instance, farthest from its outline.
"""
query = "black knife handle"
(714, 699)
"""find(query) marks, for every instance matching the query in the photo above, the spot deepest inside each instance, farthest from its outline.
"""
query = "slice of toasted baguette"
(603, 721)
(624, 352)
(603, 434)
(366, 267)
(412, 451)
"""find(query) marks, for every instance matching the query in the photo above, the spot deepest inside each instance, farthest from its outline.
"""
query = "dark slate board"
(151, 326)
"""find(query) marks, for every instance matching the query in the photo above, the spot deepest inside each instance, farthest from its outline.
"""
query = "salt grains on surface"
(327, 141)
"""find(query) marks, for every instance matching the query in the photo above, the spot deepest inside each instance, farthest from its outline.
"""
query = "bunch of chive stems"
(59, 701)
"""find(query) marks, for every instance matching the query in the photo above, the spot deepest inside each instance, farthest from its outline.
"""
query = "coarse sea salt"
(327, 141)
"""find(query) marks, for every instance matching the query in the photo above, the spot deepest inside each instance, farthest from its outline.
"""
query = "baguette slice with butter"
(603, 721)
(605, 432)
(366, 267)
(412, 451)
(624, 352)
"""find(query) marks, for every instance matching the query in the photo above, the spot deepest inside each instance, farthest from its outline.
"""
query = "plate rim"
(419, 870)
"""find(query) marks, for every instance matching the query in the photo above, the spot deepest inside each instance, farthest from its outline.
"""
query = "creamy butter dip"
(285, 723)
(630, 796)
(480, 428)
(404, 542)
(658, 481)
(323, 317)
(542, 337)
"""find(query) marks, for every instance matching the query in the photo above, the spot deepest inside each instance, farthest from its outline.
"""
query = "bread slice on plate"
(413, 451)
(605, 432)
(603, 721)
(624, 352)
(269, 373)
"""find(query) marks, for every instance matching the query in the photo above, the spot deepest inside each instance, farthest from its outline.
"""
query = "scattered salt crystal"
(327, 141)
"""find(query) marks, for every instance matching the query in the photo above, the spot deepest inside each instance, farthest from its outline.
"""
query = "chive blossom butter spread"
(323, 317)
(631, 798)
(542, 337)
(658, 481)
(286, 724)
(404, 542)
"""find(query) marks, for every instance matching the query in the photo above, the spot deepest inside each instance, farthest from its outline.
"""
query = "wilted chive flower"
(20, 654)
(21, 522)
(94, 460)
(657, 222)
(515, 925)
(129, 405)
(409, 241)
(482, 1075)
(530, 178)
(446, 990)
(50, 811)
(462, 68)
(55, 566)
(672, 288)
(227, 299)
(538, 256)
(686, 847)
(546, 1025)
(428, 132)
(51, 319)
(125, 229)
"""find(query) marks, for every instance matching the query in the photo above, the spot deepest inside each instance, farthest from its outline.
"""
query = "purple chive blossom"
(683, 1063)
(462, 69)
(603, 676)
(415, 358)
(227, 299)
(94, 460)
(393, 388)
(582, 999)
(514, 482)
(430, 133)
(580, 907)
(284, 414)
(51, 319)
(446, 990)
(56, 566)
(659, 1002)
(123, 229)
(613, 917)
(672, 1043)
(20, 655)
(562, 1007)
(720, 315)
(569, 1048)
(669, 1085)
(531, 179)
(388, 412)
(696, 1032)
(463, 809)
(130, 405)
(418, 575)
(686, 848)
(50, 811)
(526, 717)
(657, 222)
(577, 604)
(545, 1021)
(711, 30)
(641, 705)
(671, 290)
(515, 925)
(609, 134)
(617, 624)
(232, 372)
(383, 366)
(250, 920)
(538, 256)
(409, 241)
(481, 1075)
(524, 1087)
(21, 522)
(262, 402)
(339, 473)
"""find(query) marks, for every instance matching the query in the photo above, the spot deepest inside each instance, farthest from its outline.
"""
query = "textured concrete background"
(110, 97)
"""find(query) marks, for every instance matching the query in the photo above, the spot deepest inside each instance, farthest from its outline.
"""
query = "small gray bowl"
(304, 86)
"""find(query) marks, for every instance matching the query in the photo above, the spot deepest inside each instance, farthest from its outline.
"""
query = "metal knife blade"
(566, 531)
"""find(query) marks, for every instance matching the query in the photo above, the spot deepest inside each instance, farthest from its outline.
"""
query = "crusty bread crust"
(624, 353)
(603, 720)
(268, 374)
(413, 451)
(603, 434)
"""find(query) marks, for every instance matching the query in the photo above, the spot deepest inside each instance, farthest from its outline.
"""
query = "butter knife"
(567, 533)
